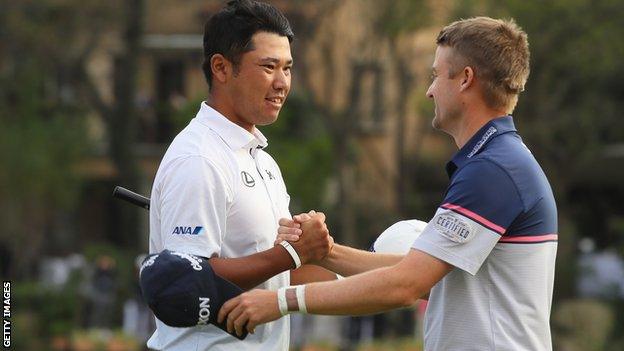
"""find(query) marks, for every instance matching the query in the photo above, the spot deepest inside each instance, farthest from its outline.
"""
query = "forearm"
(309, 273)
(250, 271)
(378, 290)
(372, 292)
(348, 261)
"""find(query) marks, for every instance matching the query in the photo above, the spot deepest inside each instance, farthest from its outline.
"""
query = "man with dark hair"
(486, 259)
(229, 31)
(217, 193)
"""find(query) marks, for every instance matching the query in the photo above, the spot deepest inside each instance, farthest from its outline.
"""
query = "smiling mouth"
(276, 100)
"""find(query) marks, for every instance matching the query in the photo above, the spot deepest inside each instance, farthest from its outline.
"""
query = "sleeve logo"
(453, 227)
(188, 230)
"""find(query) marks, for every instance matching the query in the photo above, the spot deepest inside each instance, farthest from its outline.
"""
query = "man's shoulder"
(507, 150)
(509, 161)
(198, 145)
(507, 155)
(198, 139)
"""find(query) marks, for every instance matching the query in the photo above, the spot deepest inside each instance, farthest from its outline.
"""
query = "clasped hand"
(308, 234)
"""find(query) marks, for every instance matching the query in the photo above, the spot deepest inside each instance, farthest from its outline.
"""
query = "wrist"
(331, 257)
(291, 299)
(292, 252)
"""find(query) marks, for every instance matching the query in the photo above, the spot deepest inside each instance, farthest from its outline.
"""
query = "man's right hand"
(314, 243)
(290, 229)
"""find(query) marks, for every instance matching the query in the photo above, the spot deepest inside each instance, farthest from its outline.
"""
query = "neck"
(472, 122)
(224, 106)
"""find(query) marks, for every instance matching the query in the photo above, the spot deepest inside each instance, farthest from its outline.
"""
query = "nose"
(430, 91)
(281, 80)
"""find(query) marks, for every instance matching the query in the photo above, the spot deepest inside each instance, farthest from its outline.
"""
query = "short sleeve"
(195, 196)
(480, 204)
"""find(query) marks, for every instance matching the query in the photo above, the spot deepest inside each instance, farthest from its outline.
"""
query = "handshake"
(307, 233)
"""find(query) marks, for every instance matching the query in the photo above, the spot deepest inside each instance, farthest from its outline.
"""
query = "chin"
(435, 123)
(266, 120)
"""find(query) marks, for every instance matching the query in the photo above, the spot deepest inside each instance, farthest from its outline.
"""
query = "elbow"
(405, 291)
(408, 299)
(407, 296)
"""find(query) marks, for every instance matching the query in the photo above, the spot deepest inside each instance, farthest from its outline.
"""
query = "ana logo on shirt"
(188, 230)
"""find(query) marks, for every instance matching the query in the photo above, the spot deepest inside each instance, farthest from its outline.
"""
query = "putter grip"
(132, 197)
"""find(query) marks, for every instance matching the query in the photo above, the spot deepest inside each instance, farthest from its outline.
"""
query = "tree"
(357, 63)
(46, 93)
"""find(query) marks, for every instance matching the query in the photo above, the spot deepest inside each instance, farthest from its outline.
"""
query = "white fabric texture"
(216, 193)
(494, 297)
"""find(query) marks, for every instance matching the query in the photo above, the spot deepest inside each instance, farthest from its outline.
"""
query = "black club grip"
(132, 197)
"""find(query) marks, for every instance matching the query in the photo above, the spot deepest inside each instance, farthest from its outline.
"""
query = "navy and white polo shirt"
(498, 226)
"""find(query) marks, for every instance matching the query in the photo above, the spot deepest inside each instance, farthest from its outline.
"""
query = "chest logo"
(271, 176)
(453, 227)
(248, 180)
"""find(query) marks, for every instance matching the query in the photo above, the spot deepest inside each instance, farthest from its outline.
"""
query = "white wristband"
(291, 299)
(301, 299)
(292, 252)
(281, 301)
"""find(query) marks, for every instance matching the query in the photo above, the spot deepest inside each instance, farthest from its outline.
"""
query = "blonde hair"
(498, 52)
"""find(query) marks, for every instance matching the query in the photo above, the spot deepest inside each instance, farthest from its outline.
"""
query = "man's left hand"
(250, 309)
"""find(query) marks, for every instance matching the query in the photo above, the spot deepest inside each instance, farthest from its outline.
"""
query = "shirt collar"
(489, 131)
(232, 134)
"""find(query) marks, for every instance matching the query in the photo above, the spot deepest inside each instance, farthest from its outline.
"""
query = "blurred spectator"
(55, 272)
(601, 273)
(101, 293)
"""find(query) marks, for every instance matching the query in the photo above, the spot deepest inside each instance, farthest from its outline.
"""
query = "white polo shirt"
(217, 193)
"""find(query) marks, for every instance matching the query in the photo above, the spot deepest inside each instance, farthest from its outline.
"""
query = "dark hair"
(229, 31)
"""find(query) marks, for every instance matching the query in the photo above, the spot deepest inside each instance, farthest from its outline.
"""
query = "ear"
(220, 67)
(467, 78)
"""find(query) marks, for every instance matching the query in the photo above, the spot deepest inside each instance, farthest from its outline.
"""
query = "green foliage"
(181, 116)
(41, 140)
(302, 148)
(39, 144)
(402, 16)
(49, 311)
(54, 30)
(570, 109)
(42, 119)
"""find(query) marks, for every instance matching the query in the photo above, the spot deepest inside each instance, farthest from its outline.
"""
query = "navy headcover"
(183, 291)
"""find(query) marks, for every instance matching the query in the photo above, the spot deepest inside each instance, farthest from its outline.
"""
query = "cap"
(183, 291)
(399, 237)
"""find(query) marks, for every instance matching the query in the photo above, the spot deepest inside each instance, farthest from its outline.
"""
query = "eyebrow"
(274, 60)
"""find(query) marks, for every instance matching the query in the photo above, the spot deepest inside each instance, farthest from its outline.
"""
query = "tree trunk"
(123, 122)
